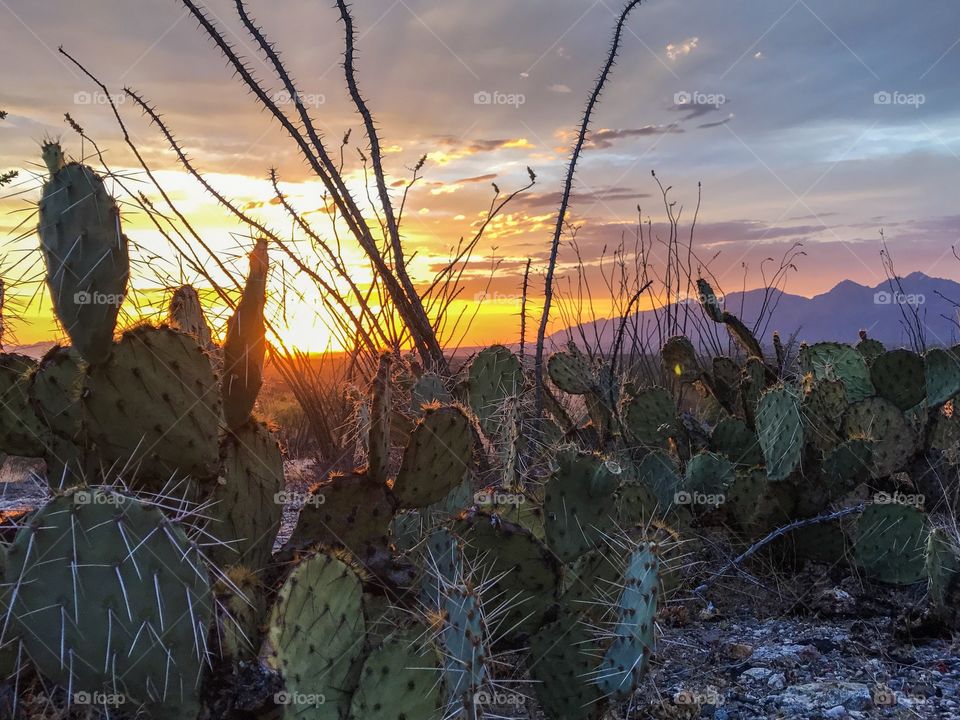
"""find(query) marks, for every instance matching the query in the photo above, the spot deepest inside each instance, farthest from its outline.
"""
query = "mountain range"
(838, 314)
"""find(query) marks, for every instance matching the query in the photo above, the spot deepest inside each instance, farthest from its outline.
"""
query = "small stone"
(758, 673)
(739, 651)
(776, 681)
(837, 711)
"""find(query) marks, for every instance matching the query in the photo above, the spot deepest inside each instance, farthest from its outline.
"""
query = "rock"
(787, 655)
(759, 674)
(776, 681)
(837, 711)
(811, 697)
(739, 651)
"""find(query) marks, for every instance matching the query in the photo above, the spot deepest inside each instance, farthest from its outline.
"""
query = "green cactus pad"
(780, 431)
(526, 573)
(55, 387)
(571, 371)
(562, 670)
(102, 578)
(246, 504)
(465, 654)
(379, 436)
(315, 634)
(494, 374)
(945, 433)
(626, 658)
(186, 315)
(153, 407)
(85, 254)
(870, 349)
(680, 359)
(898, 376)
(399, 679)
(822, 410)
(578, 504)
(942, 564)
(726, 380)
(834, 361)
(659, 472)
(243, 611)
(245, 345)
(637, 504)
(760, 506)
(891, 543)
(892, 440)
(352, 511)
(520, 508)
(752, 385)
(427, 390)
(708, 475)
(734, 440)
(848, 463)
(650, 417)
(22, 432)
(439, 454)
(942, 375)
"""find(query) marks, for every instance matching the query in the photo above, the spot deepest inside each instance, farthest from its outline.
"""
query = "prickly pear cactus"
(898, 376)
(399, 679)
(833, 361)
(243, 611)
(494, 374)
(563, 670)
(848, 463)
(891, 543)
(245, 344)
(381, 411)
(892, 440)
(427, 390)
(465, 653)
(314, 635)
(352, 511)
(659, 472)
(733, 439)
(752, 385)
(869, 348)
(626, 658)
(680, 359)
(943, 571)
(571, 371)
(21, 431)
(153, 407)
(942, 375)
(650, 417)
(440, 452)
(186, 315)
(85, 254)
(760, 506)
(708, 475)
(100, 578)
(780, 431)
(246, 504)
(523, 573)
(579, 503)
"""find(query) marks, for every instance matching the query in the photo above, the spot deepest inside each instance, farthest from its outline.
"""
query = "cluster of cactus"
(477, 524)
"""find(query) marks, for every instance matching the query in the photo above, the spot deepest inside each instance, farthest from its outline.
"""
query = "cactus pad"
(780, 431)
(379, 434)
(85, 254)
(870, 349)
(314, 636)
(680, 359)
(246, 507)
(892, 440)
(571, 371)
(21, 431)
(153, 407)
(463, 641)
(898, 376)
(834, 361)
(734, 440)
(562, 670)
(658, 472)
(942, 375)
(427, 390)
(891, 543)
(102, 578)
(439, 454)
(708, 474)
(760, 506)
(494, 374)
(649, 417)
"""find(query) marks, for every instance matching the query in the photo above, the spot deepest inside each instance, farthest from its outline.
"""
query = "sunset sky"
(822, 122)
